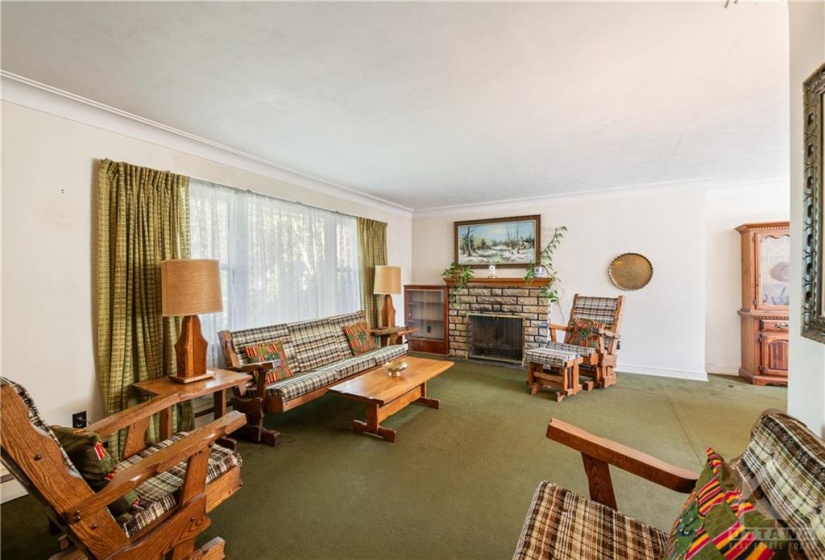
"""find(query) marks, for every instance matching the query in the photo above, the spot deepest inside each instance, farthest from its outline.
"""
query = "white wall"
(49, 176)
(726, 209)
(806, 380)
(664, 323)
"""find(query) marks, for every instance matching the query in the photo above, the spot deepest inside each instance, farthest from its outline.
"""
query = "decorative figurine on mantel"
(491, 271)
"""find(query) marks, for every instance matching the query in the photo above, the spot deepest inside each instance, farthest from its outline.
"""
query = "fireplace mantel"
(503, 282)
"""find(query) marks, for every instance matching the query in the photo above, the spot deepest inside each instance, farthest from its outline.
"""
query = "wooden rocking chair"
(173, 507)
(601, 317)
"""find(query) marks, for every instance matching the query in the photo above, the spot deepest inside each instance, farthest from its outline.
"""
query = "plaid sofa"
(317, 352)
(783, 465)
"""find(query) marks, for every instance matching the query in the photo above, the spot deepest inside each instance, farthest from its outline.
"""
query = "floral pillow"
(718, 521)
(94, 463)
(269, 352)
(583, 332)
(359, 338)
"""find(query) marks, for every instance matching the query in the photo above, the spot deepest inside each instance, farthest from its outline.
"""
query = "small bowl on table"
(395, 367)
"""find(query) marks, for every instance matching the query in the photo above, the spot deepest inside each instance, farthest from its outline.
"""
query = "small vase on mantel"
(491, 271)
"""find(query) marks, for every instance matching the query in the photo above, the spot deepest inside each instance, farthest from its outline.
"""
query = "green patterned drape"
(142, 218)
(372, 251)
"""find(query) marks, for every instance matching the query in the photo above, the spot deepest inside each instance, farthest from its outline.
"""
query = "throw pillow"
(267, 352)
(719, 522)
(94, 463)
(359, 338)
(583, 332)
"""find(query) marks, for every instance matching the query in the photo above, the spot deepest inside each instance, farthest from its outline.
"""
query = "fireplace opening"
(495, 337)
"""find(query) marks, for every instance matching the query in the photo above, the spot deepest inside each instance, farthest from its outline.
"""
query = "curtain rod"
(276, 198)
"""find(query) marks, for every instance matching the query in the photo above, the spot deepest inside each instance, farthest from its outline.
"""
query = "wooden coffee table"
(385, 394)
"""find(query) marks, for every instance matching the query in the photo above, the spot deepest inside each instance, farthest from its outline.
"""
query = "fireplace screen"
(495, 337)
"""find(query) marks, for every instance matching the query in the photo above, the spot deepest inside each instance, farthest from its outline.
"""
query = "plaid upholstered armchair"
(591, 341)
(152, 504)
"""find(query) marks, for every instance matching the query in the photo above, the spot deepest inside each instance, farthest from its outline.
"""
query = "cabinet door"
(774, 354)
(772, 267)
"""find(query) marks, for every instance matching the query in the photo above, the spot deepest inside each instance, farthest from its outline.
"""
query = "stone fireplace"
(508, 299)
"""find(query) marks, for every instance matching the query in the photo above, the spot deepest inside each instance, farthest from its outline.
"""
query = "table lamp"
(189, 287)
(387, 281)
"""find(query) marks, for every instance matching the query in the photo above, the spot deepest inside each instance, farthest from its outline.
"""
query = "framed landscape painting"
(504, 242)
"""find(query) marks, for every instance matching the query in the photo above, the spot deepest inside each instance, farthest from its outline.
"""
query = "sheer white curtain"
(280, 261)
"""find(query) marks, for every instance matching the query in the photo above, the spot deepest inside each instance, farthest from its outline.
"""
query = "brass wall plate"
(630, 271)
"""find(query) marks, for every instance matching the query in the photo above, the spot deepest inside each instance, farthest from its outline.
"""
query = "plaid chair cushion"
(784, 465)
(562, 347)
(159, 494)
(599, 309)
(563, 525)
(37, 421)
(549, 357)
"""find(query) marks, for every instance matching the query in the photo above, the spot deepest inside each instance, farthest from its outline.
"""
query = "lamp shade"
(387, 280)
(190, 287)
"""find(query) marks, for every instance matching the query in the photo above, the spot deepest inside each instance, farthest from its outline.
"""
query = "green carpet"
(458, 482)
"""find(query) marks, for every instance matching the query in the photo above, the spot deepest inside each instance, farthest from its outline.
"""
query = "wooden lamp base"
(387, 312)
(190, 352)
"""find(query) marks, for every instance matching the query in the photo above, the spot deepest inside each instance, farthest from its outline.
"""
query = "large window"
(280, 261)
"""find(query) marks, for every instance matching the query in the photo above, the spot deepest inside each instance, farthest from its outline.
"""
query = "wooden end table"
(387, 336)
(385, 395)
(215, 386)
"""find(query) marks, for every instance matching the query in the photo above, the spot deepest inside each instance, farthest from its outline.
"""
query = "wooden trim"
(628, 459)
(503, 282)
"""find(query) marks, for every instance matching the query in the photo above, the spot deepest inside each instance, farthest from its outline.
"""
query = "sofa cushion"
(719, 521)
(252, 337)
(94, 463)
(302, 384)
(384, 354)
(583, 332)
(271, 351)
(562, 524)
(159, 494)
(318, 348)
(351, 366)
(359, 338)
(784, 464)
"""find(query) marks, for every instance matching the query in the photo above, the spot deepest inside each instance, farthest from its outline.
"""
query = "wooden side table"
(215, 386)
(387, 336)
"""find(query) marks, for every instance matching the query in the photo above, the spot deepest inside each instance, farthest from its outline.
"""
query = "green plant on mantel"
(551, 291)
(461, 274)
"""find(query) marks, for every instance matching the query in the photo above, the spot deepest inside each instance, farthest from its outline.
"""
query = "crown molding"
(698, 184)
(41, 97)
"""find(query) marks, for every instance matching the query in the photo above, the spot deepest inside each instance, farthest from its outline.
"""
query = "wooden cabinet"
(766, 251)
(426, 309)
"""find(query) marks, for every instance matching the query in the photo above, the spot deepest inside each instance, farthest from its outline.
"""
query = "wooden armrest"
(557, 327)
(133, 415)
(196, 441)
(256, 366)
(598, 452)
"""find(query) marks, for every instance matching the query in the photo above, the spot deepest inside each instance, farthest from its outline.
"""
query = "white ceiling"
(439, 104)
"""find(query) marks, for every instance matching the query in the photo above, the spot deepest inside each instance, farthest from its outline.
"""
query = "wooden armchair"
(561, 524)
(173, 507)
(599, 357)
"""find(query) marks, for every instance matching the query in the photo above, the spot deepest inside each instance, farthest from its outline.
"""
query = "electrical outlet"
(79, 419)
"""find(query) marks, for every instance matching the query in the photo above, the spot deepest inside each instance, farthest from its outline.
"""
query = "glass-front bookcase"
(426, 310)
